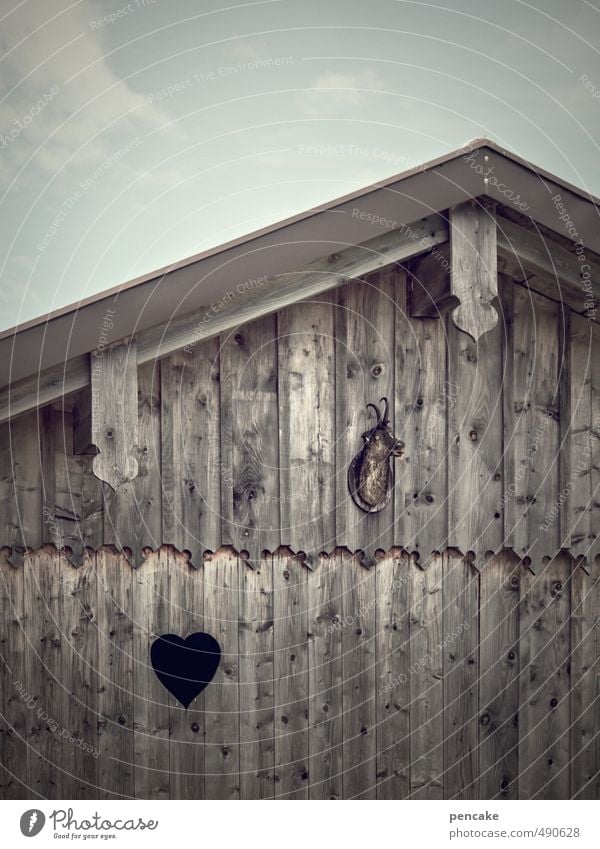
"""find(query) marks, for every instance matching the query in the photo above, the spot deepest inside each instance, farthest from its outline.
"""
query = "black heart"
(185, 667)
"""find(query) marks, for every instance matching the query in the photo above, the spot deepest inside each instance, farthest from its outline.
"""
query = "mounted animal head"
(371, 473)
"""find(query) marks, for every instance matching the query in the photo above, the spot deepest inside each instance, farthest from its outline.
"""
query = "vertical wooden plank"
(221, 698)
(74, 516)
(113, 379)
(47, 673)
(307, 426)
(151, 700)
(594, 549)
(499, 678)
(475, 442)
(544, 717)
(25, 495)
(535, 436)
(358, 690)
(423, 394)
(425, 680)
(256, 689)
(392, 680)
(585, 684)
(133, 512)
(291, 674)
(191, 471)
(250, 438)
(364, 363)
(460, 643)
(13, 648)
(325, 665)
(186, 727)
(115, 622)
(474, 259)
(80, 674)
(506, 289)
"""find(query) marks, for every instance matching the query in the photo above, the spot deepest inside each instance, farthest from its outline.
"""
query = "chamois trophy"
(371, 472)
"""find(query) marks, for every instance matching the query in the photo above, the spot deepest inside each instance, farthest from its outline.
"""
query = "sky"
(135, 134)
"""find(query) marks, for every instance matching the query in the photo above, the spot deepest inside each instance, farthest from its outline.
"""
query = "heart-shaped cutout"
(185, 667)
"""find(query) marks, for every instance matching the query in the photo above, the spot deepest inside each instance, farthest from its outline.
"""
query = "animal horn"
(377, 413)
(385, 419)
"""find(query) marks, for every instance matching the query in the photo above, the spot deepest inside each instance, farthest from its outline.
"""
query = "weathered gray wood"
(191, 474)
(80, 679)
(291, 675)
(475, 437)
(544, 685)
(132, 513)
(473, 257)
(576, 497)
(364, 362)
(13, 707)
(307, 427)
(549, 268)
(221, 698)
(358, 689)
(151, 699)
(248, 303)
(460, 641)
(325, 665)
(249, 438)
(23, 486)
(392, 579)
(186, 727)
(256, 691)
(115, 623)
(430, 294)
(533, 428)
(499, 678)
(585, 684)
(113, 380)
(44, 387)
(423, 395)
(594, 549)
(425, 679)
(82, 422)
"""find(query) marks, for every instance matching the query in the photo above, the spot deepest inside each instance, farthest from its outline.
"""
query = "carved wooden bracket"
(474, 263)
(114, 408)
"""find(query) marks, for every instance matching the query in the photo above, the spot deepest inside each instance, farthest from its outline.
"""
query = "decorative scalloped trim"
(398, 552)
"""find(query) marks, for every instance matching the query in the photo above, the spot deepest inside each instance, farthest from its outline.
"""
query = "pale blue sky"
(274, 107)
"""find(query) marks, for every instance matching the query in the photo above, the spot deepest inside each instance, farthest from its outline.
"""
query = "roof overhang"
(480, 168)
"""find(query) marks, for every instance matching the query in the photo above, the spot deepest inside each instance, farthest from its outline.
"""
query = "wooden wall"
(245, 442)
(338, 682)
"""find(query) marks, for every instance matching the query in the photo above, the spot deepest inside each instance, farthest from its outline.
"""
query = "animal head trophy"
(371, 473)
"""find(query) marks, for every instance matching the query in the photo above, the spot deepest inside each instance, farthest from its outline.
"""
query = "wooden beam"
(243, 303)
(82, 422)
(474, 273)
(429, 292)
(549, 268)
(246, 302)
(114, 407)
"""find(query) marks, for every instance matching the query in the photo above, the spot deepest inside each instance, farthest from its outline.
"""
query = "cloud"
(335, 92)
